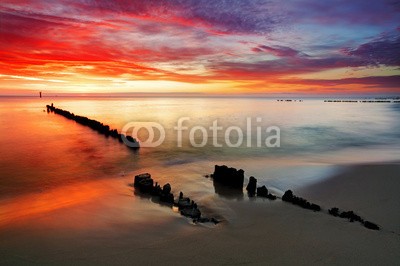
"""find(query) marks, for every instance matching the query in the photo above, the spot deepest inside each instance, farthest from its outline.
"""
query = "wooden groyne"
(361, 101)
(95, 125)
(187, 207)
(234, 178)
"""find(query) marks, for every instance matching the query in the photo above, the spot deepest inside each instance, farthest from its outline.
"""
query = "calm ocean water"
(41, 151)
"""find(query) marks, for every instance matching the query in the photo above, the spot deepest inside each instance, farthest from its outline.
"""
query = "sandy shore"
(257, 231)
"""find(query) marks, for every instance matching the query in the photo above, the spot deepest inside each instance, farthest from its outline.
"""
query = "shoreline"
(368, 189)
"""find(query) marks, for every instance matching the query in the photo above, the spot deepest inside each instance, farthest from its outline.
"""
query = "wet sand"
(110, 230)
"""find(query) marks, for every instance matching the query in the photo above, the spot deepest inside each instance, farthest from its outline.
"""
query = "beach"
(256, 231)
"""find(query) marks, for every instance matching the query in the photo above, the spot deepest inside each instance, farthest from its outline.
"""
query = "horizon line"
(194, 95)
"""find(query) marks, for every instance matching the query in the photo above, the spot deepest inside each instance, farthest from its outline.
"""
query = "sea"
(48, 162)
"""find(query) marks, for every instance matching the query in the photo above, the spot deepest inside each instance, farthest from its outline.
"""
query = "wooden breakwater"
(186, 207)
(361, 101)
(234, 178)
(96, 126)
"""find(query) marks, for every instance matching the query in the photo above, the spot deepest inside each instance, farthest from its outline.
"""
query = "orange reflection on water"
(33, 205)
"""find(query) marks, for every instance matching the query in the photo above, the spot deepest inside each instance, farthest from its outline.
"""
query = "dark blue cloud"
(383, 50)
(344, 12)
(235, 16)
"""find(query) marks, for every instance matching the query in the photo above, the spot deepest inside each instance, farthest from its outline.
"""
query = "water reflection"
(227, 192)
(37, 204)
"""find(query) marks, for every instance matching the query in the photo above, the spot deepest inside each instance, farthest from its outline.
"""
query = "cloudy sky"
(184, 46)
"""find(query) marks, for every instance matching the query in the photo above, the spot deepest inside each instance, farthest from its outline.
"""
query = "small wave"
(178, 162)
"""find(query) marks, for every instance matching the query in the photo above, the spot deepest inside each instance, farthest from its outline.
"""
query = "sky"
(235, 47)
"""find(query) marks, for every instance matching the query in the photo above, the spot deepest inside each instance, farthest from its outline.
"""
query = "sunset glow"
(212, 47)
